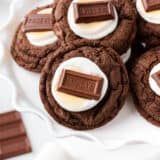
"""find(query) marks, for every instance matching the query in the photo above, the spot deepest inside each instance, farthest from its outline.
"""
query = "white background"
(80, 149)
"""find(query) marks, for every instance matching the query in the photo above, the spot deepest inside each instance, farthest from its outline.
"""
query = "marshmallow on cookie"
(43, 37)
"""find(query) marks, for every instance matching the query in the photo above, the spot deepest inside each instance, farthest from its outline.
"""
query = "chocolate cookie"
(149, 33)
(30, 48)
(145, 85)
(120, 38)
(58, 85)
(148, 24)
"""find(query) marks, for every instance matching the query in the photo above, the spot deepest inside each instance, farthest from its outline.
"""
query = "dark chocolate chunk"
(38, 22)
(13, 136)
(91, 12)
(81, 85)
(156, 77)
(151, 5)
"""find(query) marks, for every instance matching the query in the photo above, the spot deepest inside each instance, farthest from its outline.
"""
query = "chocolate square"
(81, 85)
(151, 5)
(13, 137)
(38, 22)
(91, 12)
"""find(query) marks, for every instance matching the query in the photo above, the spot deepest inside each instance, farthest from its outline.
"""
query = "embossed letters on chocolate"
(38, 22)
(81, 85)
(95, 11)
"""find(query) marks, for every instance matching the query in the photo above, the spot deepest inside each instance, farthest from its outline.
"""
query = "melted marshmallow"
(42, 38)
(94, 30)
(74, 103)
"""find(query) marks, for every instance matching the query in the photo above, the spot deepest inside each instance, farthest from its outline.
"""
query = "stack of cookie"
(80, 47)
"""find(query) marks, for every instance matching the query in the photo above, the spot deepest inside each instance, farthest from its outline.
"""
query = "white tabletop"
(80, 149)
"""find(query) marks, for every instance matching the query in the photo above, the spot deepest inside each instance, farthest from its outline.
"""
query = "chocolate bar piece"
(11, 130)
(9, 118)
(91, 12)
(14, 147)
(151, 5)
(156, 77)
(13, 136)
(81, 85)
(38, 22)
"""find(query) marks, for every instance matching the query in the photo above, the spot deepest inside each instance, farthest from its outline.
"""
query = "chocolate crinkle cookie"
(84, 86)
(148, 22)
(35, 39)
(118, 32)
(145, 85)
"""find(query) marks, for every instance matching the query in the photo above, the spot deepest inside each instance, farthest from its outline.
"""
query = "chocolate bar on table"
(13, 137)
